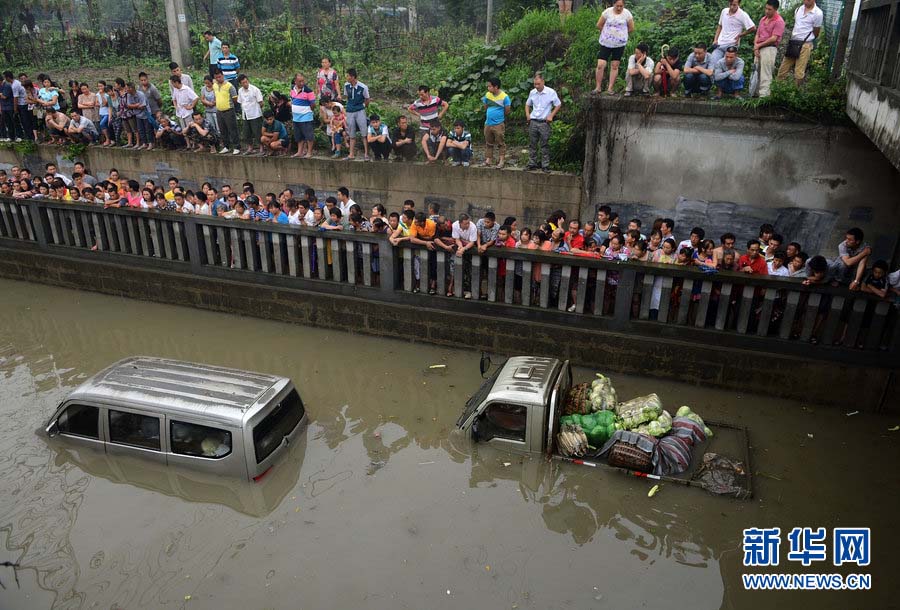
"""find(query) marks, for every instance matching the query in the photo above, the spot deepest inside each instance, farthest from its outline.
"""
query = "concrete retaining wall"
(812, 381)
(528, 196)
(726, 170)
(876, 110)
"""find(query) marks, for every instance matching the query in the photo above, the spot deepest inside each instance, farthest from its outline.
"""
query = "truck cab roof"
(525, 379)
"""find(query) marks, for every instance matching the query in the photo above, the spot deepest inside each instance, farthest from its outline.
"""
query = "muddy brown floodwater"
(383, 506)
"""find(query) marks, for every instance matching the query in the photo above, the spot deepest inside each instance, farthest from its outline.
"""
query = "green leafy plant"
(74, 151)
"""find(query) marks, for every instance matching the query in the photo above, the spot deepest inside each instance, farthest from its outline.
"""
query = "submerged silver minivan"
(215, 419)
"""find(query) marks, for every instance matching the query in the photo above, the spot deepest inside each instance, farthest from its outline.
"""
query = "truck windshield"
(478, 397)
(280, 422)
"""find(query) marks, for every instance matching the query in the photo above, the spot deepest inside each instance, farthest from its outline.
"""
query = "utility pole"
(843, 38)
(179, 37)
(490, 21)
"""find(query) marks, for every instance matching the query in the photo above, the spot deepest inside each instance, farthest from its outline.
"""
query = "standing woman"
(74, 92)
(88, 104)
(26, 112)
(615, 24)
(208, 100)
(103, 112)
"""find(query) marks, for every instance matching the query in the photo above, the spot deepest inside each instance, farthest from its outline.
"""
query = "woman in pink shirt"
(133, 196)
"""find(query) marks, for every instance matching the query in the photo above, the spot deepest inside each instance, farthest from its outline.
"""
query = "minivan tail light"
(259, 477)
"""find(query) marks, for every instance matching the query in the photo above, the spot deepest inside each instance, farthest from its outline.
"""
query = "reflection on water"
(382, 505)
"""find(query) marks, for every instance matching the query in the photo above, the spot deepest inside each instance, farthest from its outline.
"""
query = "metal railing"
(775, 315)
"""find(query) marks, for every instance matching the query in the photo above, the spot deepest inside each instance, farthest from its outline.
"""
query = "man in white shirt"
(344, 201)
(184, 99)
(639, 74)
(808, 20)
(465, 236)
(540, 109)
(734, 24)
(250, 99)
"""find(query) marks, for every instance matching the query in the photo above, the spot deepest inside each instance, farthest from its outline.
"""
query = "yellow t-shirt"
(224, 100)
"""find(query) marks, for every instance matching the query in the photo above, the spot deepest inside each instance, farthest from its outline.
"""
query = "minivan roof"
(161, 385)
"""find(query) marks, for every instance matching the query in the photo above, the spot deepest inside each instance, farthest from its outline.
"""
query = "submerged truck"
(518, 408)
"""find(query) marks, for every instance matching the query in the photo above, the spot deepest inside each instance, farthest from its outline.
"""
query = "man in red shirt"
(573, 236)
(752, 262)
(765, 45)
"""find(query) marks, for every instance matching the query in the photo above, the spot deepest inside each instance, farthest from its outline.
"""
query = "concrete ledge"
(786, 376)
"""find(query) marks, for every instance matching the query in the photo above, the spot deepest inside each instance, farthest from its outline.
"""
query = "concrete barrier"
(728, 168)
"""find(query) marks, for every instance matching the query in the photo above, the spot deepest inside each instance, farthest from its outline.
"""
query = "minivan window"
(134, 429)
(504, 421)
(199, 441)
(80, 420)
(280, 422)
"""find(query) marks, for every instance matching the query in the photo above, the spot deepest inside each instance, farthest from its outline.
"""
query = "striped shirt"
(427, 111)
(229, 67)
(302, 102)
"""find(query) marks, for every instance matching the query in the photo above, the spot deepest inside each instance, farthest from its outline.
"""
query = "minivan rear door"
(272, 429)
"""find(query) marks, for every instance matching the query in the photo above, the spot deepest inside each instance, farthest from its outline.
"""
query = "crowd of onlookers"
(227, 114)
(607, 237)
(717, 65)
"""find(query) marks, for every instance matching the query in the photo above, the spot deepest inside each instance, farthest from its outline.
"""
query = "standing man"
(428, 107)
(639, 74)
(7, 111)
(23, 114)
(186, 79)
(226, 96)
(184, 99)
(729, 74)
(808, 20)
(540, 109)
(302, 101)
(213, 52)
(698, 72)
(765, 45)
(357, 98)
(734, 24)
(496, 106)
(250, 100)
(229, 64)
(154, 99)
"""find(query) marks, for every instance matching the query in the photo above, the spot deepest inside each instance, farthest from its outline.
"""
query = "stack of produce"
(656, 427)
(572, 441)
(640, 410)
(577, 400)
(598, 427)
(603, 394)
(686, 411)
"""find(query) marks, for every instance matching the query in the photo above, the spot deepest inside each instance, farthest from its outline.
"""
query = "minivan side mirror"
(53, 428)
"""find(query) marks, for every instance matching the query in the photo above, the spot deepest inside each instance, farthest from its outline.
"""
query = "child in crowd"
(336, 130)
(776, 265)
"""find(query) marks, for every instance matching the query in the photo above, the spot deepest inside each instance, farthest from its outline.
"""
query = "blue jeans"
(727, 86)
(697, 83)
(460, 155)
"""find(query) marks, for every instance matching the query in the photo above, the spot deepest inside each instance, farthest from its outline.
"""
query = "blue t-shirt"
(356, 96)
(282, 219)
(496, 107)
(215, 50)
(7, 93)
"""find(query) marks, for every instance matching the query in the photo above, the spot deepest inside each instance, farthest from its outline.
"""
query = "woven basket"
(625, 455)
(577, 400)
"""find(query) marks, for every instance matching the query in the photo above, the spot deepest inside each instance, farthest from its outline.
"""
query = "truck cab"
(517, 408)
